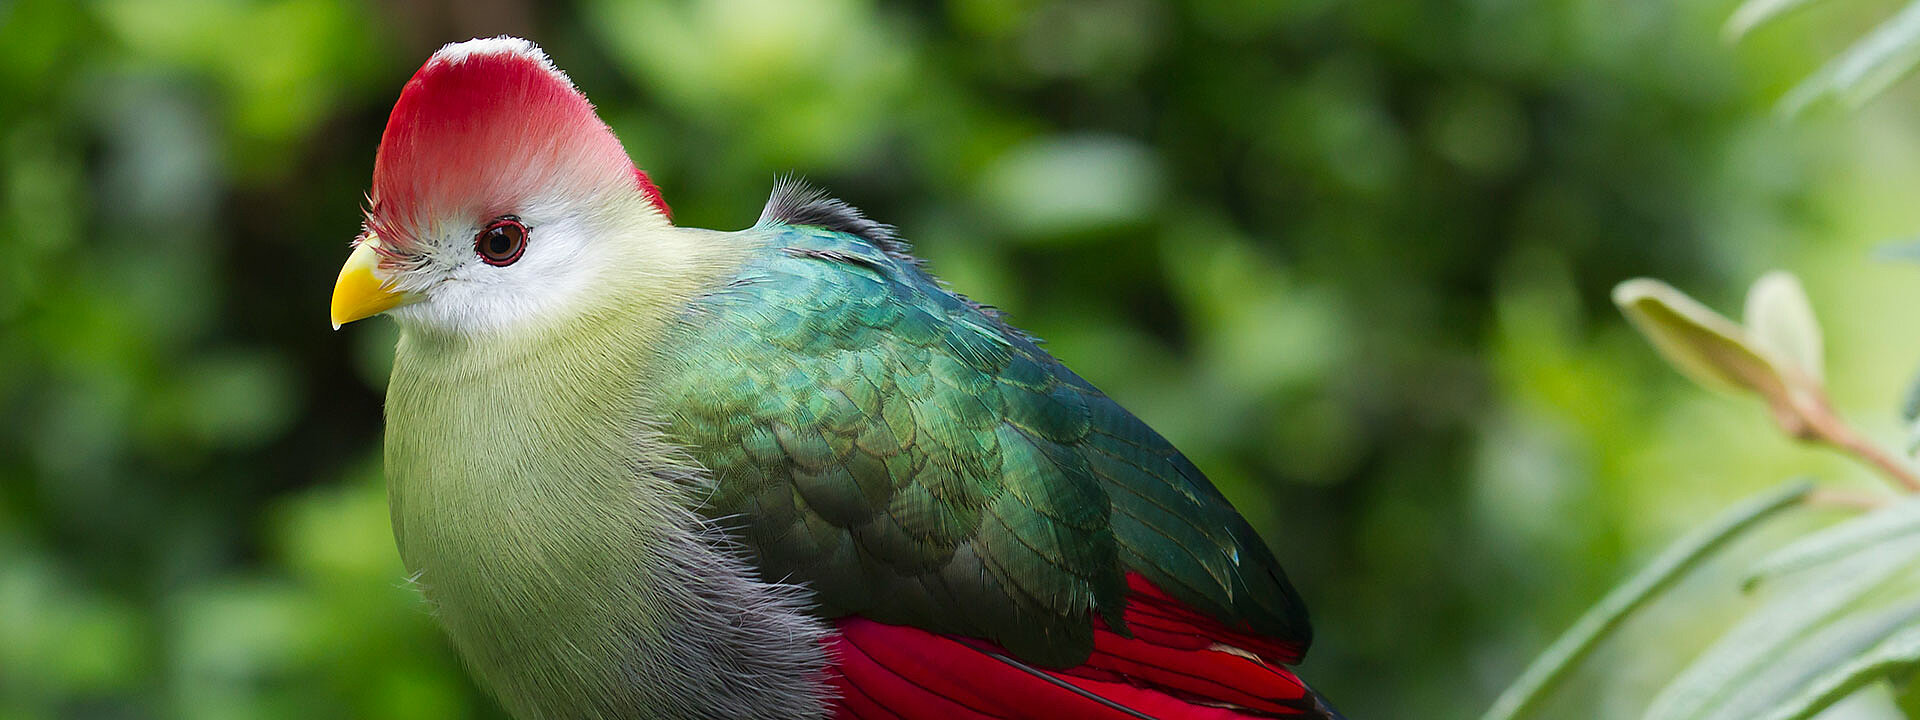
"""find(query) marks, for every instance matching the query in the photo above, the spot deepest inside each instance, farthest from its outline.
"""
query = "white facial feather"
(565, 178)
(570, 247)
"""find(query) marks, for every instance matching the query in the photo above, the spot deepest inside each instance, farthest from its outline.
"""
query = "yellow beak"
(360, 293)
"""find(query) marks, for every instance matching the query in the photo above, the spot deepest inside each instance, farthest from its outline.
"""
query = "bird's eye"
(502, 242)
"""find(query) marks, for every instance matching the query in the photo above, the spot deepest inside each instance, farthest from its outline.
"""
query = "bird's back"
(941, 483)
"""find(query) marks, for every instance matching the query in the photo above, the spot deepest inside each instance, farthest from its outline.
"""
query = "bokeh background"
(1352, 257)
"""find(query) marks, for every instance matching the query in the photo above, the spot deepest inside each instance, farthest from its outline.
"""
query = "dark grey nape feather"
(794, 202)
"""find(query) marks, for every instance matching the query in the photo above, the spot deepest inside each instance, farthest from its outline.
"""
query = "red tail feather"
(1179, 664)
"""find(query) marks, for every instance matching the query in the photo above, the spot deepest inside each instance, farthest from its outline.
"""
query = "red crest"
(482, 127)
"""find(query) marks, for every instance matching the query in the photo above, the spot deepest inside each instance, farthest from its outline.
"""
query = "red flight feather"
(1180, 664)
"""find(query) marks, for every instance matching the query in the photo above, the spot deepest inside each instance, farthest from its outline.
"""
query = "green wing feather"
(916, 461)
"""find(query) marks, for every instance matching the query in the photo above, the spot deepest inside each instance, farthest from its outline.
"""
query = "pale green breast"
(507, 480)
(555, 528)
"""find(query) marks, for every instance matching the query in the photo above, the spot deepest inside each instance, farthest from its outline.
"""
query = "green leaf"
(1804, 627)
(1780, 320)
(1877, 701)
(1865, 533)
(1754, 13)
(1910, 406)
(1782, 674)
(1699, 342)
(1867, 67)
(1902, 250)
(1551, 666)
(1897, 653)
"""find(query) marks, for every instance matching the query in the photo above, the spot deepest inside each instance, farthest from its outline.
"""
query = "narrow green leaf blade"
(1910, 406)
(1724, 678)
(1780, 675)
(1862, 534)
(1898, 653)
(1865, 68)
(1902, 250)
(1754, 13)
(1547, 670)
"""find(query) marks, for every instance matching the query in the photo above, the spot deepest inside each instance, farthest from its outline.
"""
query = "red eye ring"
(502, 242)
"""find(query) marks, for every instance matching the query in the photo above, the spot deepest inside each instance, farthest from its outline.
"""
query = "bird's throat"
(558, 536)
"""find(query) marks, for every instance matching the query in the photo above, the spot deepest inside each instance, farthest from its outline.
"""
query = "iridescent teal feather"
(915, 460)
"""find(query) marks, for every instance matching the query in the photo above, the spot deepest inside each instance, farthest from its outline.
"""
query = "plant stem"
(1880, 459)
(1828, 427)
(1844, 499)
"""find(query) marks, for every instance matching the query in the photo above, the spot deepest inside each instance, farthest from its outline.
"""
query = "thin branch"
(1843, 499)
(1819, 423)
(1880, 459)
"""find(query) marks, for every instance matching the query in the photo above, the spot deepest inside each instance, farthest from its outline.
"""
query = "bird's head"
(494, 186)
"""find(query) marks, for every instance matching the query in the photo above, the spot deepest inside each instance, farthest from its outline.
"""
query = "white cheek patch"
(468, 296)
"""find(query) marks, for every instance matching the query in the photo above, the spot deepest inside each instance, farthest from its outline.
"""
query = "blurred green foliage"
(1352, 257)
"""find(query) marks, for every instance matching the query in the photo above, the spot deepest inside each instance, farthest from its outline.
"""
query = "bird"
(639, 470)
